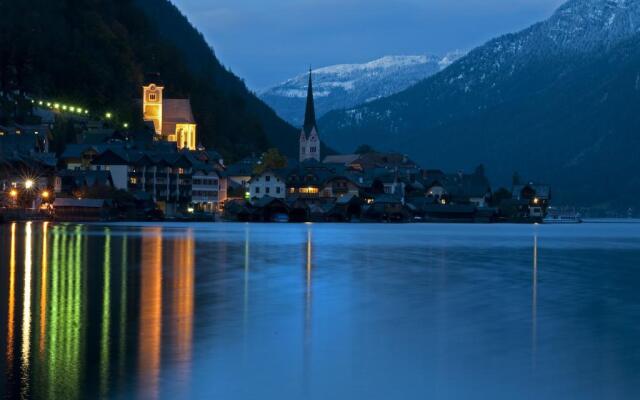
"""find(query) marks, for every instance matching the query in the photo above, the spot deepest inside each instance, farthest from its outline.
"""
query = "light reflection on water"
(320, 311)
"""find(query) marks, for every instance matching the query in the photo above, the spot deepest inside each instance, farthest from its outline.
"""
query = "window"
(267, 190)
(134, 180)
(267, 178)
(278, 190)
(257, 190)
(309, 190)
(312, 149)
(153, 96)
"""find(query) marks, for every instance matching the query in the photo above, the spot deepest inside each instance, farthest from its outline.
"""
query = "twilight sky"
(268, 41)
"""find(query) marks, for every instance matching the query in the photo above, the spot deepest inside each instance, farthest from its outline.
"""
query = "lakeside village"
(161, 172)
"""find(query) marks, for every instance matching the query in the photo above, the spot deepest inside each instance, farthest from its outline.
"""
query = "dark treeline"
(95, 53)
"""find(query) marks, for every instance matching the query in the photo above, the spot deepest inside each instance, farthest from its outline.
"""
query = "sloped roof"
(177, 111)
(341, 159)
(84, 203)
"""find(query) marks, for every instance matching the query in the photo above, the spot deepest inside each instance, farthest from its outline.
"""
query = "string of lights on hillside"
(61, 107)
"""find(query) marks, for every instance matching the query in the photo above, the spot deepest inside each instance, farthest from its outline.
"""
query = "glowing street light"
(125, 125)
(108, 115)
(45, 194)
(29, 183)
(13, 193)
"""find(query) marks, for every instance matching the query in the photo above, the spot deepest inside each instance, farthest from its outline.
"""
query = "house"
(270, 209)
(386, 207)
(239, 174)
(68, 209)
(25, 139)
(458, 188)
(70, 181)
(536, 196)
(209, 188)
(270, 183)
(341, 185)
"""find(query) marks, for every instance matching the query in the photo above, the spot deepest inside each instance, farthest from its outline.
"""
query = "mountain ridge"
(527, 102)
(345, 85)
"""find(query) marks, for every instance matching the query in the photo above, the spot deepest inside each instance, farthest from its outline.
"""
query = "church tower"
(309, 137)
(152, 101)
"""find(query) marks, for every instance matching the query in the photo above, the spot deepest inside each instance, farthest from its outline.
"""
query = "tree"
(365, 149)
(271, 159)
(516, 179)
(499, 196)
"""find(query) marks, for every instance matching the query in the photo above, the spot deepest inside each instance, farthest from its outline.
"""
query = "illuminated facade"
(172, 119)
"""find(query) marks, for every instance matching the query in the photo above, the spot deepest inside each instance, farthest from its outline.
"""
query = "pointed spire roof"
(310, 111)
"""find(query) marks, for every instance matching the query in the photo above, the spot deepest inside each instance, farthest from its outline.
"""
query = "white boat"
(555, 216)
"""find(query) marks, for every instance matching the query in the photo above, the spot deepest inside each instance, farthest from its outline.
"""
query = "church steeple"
(310, 111)
(309, 137)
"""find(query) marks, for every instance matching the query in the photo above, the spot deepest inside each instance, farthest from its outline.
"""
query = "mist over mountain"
(347, 85)
(557, 102)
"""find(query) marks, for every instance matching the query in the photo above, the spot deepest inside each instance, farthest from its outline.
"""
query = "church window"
(312, 149)
(153, 96)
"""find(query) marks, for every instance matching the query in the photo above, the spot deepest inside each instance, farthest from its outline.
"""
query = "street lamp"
(45, 194)
(28, 184)
(13, 193)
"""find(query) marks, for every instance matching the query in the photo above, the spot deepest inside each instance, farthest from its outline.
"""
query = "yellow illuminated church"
(172, 118)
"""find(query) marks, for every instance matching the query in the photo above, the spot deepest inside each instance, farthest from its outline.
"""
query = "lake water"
(352, 311)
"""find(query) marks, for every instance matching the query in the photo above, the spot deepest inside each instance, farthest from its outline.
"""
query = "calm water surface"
(235, 311)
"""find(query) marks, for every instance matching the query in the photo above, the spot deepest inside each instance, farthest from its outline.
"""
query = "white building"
(268, 183)
(209, 188)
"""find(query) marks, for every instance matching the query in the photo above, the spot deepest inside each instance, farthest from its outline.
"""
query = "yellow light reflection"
(150, 333)
(182, 304)
(12, 292)
(26, 307)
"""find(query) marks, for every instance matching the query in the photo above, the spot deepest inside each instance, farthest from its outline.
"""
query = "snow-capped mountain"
(557, 101)
(347, 85)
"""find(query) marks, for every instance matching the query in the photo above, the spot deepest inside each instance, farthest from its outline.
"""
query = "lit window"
(134, 180)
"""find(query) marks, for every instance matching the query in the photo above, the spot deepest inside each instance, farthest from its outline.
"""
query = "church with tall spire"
(310, 137)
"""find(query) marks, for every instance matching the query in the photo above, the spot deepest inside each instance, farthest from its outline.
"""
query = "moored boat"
(555, 216)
